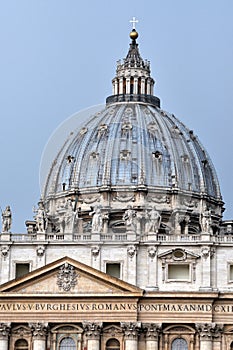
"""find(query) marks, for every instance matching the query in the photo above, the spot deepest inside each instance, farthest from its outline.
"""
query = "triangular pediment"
(178, 254)
(68, 276)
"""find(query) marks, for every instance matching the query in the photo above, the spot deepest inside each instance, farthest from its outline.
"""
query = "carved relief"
(92, 329)
(5, 251)
(4, 330)
(66, 277)
(152, 330)
(124, 197)
(131, 329)
(95, 251)
(151, 252)
(39, 330)
(158, 199)
(90, 199)
(209, 330)
(40, 250)
(131, 250)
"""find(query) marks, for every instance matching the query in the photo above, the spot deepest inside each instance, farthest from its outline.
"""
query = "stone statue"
(130, 218)
(97, 220)
(40, 218)
(153, 220)
(206, 220)
(6, 219)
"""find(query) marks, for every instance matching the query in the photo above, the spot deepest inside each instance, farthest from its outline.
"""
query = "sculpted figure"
(130, 218)
(206, 220)
(6, 219)
(97, 220)
(40, 218)
(153, 220)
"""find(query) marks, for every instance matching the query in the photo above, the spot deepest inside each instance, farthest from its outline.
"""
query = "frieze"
(82, 307)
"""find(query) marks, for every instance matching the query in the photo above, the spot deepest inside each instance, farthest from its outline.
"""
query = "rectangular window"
(230, 273)
(21, 269)
(113, 269)
(179, 272)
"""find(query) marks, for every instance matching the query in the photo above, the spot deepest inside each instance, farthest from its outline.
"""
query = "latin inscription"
(114, 307)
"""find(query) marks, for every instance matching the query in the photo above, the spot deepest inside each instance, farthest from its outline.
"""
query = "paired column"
(131, 330)
(152, 335)
(208, 332)
(39, 332)
(92, 333)
(4, 335)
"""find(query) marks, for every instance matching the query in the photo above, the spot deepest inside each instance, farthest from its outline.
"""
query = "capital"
(4, 330)
(208, 331)
(131, 329)
(152, 330)
(92, 330)
(39, 330)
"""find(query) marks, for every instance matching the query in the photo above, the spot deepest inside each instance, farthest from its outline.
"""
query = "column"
(142, 85)
(121, 86)
(127, 85)
(4, 335)
(39, 332)
(131, 330)
(92, 333)
(208, 332)
(152, 335)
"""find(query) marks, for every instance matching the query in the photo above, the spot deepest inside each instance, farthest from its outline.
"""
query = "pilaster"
(92, 331)
(131, 331)
(152, 335)
(39, 333)
(4, 335)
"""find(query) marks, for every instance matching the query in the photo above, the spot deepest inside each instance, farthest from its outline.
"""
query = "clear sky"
(59, 56)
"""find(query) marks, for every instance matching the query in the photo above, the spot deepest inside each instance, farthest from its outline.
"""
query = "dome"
(132, 144)
(133, 154)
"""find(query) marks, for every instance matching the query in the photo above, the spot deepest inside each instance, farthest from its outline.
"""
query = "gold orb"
(133, 35)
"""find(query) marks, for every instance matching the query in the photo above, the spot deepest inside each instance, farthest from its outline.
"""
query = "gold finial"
(134, 34)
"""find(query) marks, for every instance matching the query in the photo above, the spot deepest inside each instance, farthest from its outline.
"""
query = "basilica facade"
(128, 249)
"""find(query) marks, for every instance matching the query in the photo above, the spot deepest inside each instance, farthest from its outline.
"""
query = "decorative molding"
(4, 330)
(67, 277)
(92, 330)
(5, 251)
(152, 330)
(39, 330)
(152, 252)
(131, 329)
(209, 330)
(40, 250)
(95, 251)
(124, 197)
(131, 250)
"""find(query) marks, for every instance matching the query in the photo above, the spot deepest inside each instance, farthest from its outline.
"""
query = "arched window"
(21, 344)
(67, 344)
(113, 344)
(231, 348)
(179, 344)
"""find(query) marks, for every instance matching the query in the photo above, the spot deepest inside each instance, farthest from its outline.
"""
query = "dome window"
(70, 159)
(157, 155)
(125, 154)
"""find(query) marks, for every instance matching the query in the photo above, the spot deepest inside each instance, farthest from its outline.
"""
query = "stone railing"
(112, 237)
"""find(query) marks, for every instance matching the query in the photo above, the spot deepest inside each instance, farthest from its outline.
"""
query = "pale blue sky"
(59, 56)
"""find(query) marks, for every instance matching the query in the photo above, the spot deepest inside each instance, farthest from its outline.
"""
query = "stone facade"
(127, 249)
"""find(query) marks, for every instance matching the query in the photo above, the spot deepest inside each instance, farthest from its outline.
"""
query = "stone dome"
(131, 144)
(133, 153)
